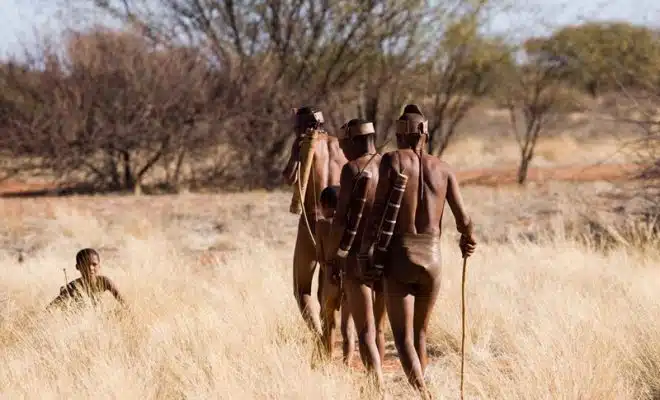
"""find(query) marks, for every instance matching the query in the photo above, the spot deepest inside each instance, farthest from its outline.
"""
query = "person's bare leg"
(304, 265)
(347, 331)
(379, 316)
(424, 303)
(330, 304)
(361, 305)
(400, 310)
(319, 289)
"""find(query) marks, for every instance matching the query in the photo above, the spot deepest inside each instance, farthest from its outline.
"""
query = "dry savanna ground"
(551, 314)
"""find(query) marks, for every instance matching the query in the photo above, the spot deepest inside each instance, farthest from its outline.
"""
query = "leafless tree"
(534, 91)
(111, 108)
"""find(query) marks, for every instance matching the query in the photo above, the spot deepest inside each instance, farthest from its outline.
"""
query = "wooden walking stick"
(463, 322)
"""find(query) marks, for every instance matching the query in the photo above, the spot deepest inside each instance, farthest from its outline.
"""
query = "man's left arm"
(292, 165)
(343, 201)
(110, 286)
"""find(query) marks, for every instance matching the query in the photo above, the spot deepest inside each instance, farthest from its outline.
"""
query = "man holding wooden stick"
(403, 232)
(314, 164)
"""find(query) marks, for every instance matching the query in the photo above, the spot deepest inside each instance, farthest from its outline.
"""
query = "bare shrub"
(110, 108)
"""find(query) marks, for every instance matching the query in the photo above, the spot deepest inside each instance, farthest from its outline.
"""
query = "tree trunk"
(523, 169)
(592, 88)
(176, 179)
(371, 109)
(137, 188)
(130, 183)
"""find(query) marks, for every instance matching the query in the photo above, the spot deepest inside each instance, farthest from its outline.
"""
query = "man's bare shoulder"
(106, 283)
(328, 140)
(436, 164)
(332, 144)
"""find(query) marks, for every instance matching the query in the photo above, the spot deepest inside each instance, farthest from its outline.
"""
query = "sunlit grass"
(213, 316)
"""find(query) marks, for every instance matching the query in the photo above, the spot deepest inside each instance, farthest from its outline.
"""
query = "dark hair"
(361, 140)
(84, 256)
(329, 196)
(412, 109)
(356, 121)
(305, 117)
(305, 110)
(412, 113)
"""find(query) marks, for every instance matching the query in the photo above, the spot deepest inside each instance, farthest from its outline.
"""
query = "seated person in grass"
(89, 286)
(331, 295)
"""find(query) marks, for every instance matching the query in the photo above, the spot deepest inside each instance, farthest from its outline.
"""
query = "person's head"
(88, 263)
(328, 201)
(357, 137)
(307, 118)
(411, 128)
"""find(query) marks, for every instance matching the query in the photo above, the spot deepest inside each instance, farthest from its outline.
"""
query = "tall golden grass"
(213, 316)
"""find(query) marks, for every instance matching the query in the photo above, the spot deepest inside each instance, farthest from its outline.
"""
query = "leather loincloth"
(414, 258)
(351, 270)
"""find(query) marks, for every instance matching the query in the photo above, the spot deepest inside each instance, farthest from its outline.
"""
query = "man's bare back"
(423, 202)
(326, 170)
(412, 262)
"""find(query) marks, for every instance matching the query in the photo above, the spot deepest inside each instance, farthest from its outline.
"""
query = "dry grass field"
(551, 314)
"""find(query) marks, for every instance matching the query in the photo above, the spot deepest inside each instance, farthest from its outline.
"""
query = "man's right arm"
(59, 300)
(467, 242)
(110, 286)
(455, 200)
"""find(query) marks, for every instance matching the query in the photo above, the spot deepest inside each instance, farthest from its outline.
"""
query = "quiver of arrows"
(358, 201)
(390, 215)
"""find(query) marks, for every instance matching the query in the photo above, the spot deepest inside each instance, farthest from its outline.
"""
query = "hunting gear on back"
(331, 293)
(406, 243)
(89, 286)
(315, 163)
(358, 183)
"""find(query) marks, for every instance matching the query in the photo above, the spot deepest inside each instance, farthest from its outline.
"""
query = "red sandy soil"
(482, 176)
(11, 187)
(586, 173)
(391, 365)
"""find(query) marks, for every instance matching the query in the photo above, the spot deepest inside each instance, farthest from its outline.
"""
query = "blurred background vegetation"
(198, 93)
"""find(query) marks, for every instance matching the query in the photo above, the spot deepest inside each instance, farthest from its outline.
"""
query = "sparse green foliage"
(462, 69)
(603, 56)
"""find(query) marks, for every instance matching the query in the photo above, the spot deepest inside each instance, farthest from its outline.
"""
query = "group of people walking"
(373, 223)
